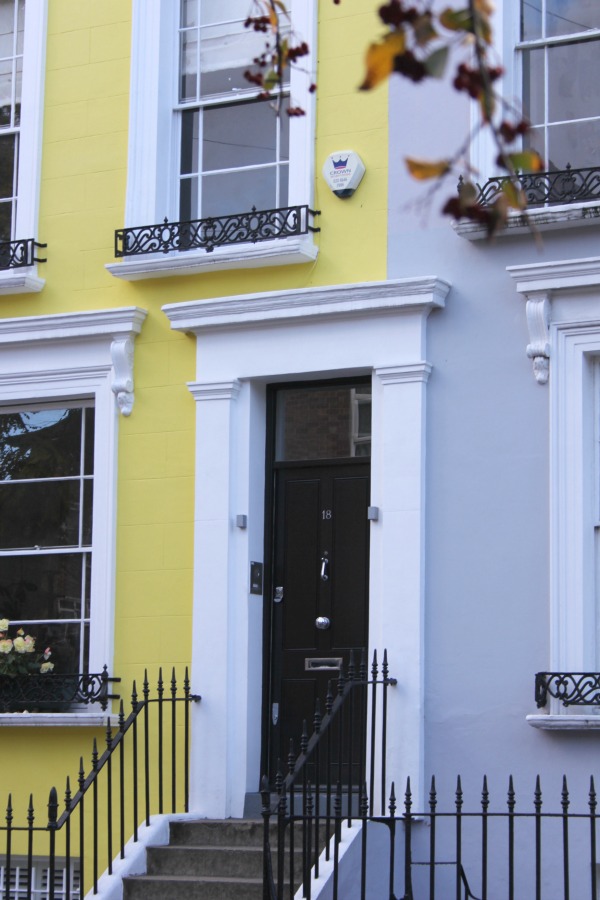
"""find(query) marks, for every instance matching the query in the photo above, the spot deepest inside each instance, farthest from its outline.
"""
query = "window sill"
(546, 219)
(287, 252)
(20, 281)
(81, 719)
(565, 721)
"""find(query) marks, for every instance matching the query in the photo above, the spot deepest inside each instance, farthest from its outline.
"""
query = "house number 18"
(326, 514)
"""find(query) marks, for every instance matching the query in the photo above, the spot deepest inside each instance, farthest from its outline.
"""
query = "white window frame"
(563, 314)
(67, 357)
(153, 162)
(26, 281)
(483, 151)
(80, 549)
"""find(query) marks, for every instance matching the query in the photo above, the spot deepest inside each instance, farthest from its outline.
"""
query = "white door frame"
(244, 343)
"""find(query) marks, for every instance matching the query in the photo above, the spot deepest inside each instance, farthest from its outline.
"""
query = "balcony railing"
(561, 186)
(20, 254)
(571, 688)
(206, 234)
(52, 692)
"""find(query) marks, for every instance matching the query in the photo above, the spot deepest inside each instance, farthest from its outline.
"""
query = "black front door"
(321, 573)
(320, 576)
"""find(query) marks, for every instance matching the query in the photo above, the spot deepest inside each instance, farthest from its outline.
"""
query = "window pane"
(189, 13)
(40, 444)
(533, 85)
(577, 144)
(573, 76)
(283, 186)
(86, 518)
(6, 81)
(570, 16)
(189, 65)
(65, 643)
(43, 514)
(90, 422)
(220, 81)
(5, 225)
(190, 120)
(20, 25)
(188, 199)
(212, 12)
(48, 586)
(236, 192)
(238, 135)
(531, 19)
(322, 422)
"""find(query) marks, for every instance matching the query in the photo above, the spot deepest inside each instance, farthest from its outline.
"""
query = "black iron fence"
(20, 254)
(509, 851)
(215, 231)
(144, 769)
(335, 777)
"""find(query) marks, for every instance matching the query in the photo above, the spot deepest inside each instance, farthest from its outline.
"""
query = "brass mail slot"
(322, 663)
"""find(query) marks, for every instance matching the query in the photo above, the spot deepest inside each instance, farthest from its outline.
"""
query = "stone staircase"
(205, 860)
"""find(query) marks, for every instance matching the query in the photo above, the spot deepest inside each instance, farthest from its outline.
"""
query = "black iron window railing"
(20, 254)
(561, 186)
(571, 688)
(215, 231)
(55, 692)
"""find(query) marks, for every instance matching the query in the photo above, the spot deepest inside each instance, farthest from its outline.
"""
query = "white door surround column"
(244, 343)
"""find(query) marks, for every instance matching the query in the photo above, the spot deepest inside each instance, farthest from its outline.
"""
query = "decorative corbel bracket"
(121, 351)
(538, 323)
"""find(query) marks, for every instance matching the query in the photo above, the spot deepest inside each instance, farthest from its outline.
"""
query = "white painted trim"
(563, 312)
(152, 161)
(352, 300)
(566, 722)
(552, 218)
(53, 720)
(283, 252)
(243, 343)
(67, 357)
(30, 142)
(20, 281)
(111, 323)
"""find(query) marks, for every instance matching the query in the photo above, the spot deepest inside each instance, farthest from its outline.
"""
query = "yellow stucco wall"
(82, 201)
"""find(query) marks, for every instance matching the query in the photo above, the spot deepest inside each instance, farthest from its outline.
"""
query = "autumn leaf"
(380, 59)
(424, 30)
(514, 194)
(435, 63)
(456, 19)
(422, 169)
(525, 161)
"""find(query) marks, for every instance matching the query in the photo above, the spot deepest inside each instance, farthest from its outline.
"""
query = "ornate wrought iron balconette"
(55, 692)
(19, 254)
(571, 688)
(215, 231)
(547, 188)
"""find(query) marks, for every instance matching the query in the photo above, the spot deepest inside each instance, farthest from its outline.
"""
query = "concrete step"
(212, 833)
(238, 862)
(207, 860)
(165, 887)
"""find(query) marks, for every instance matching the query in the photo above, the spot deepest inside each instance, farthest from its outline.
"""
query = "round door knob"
(322, 623)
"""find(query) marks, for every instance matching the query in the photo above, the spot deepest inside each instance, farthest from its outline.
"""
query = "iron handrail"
(89, 782)
(296, 790)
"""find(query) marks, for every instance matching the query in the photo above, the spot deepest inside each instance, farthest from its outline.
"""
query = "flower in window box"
(18, 656)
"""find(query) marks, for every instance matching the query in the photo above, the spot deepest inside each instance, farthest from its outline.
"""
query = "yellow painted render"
(84, 174)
